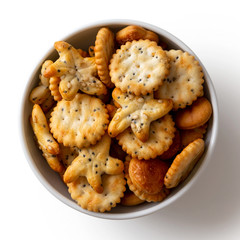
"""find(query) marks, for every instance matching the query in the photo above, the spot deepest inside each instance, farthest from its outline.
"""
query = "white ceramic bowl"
(83, 38)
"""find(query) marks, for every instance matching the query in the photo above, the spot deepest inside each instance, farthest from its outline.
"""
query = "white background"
(209, 210)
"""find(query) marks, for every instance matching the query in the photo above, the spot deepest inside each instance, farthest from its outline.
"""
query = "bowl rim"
(177, 195)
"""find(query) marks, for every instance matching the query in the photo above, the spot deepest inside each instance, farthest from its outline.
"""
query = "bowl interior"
(52, 181)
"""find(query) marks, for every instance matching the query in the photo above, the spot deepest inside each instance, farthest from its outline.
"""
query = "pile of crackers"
(124, 121)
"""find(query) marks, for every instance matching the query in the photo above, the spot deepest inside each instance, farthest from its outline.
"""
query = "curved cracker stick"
(44, 80)
(54, 162)
(39, 94)
(41, 130)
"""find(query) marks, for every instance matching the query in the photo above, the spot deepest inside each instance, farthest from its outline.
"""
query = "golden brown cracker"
(76, 72)
(93, 162)
(160, 139)
(54, 88)
(137, 112)
(173, 149)
(130, 199)
(79, 122)
(67, 154)
(48, 103)
(183, 164)
(103, 51)
(39, 94)
(44, 80)
(46, 142)
(132, 32)
(139, 67)
(184, 83)
(113, 190)
(195, 115)
(188, 136)
(145, 179)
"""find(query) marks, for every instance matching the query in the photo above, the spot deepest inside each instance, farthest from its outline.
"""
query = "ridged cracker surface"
(160, 138)
(93, 162)
(184, 163)
(79, 122)
(76, 72)
(104, 48)
(139, 67)
(137, 112)
(184, 83)
(87, 198)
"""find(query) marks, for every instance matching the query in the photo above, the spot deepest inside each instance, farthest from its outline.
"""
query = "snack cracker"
(79, 122)
(146, 178)
(130, 33)
(103, 51)
(87, 198)
(93, 162)
(184, 83)
(137, 113)
(75, 72)
(184, 163)
(139, 67)
(160, 139)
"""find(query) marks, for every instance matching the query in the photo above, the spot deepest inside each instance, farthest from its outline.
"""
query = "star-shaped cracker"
(75, 71)
(137, 112)
(93, 162)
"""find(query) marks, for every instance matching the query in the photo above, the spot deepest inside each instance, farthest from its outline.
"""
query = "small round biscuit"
(160, 139)
(82, 192)
(103, 51)
(183, 164)
(146, 178)
(184, 83)
(79, 122)
(195, 115)
(139, 67)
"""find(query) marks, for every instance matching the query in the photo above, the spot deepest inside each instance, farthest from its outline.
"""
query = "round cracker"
(142, 193)
(195, 115)
(184, 83)
(87, 198)
(160, 139)
(79, 122)
(139, 67)
(103, 50)
(183, 164)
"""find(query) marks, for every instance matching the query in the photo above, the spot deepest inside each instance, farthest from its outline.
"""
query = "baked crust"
(139, 67)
